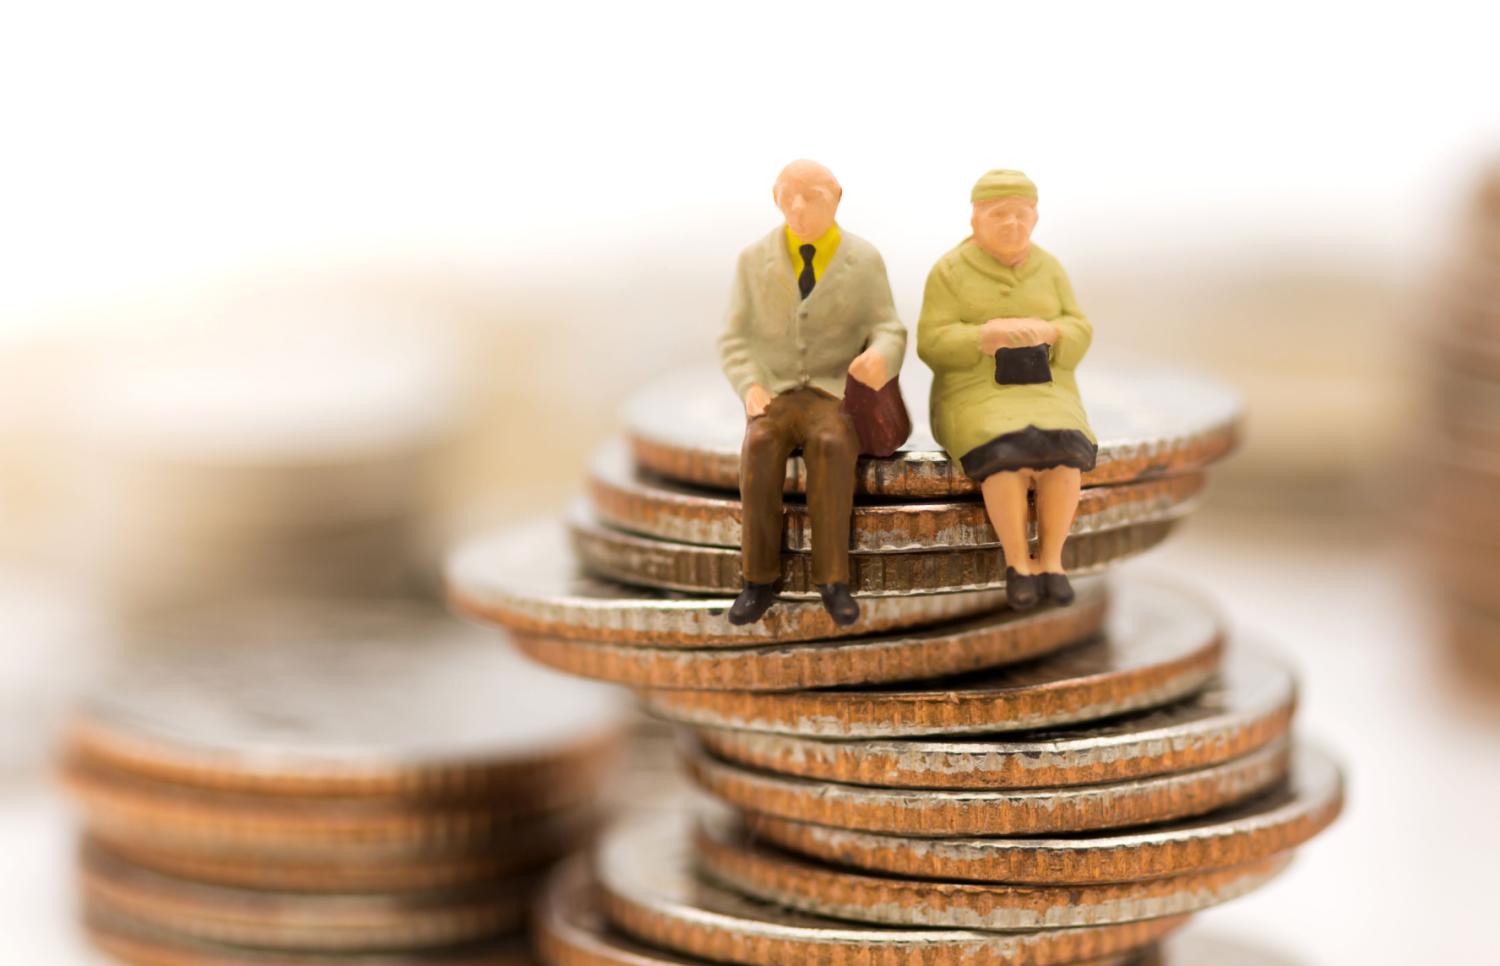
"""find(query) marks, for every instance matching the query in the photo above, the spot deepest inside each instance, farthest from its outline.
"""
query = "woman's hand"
(999, 334)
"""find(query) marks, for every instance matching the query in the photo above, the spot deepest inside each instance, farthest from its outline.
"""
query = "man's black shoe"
(752, 603)
(839, 604)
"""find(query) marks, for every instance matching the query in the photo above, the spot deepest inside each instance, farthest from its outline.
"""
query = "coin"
(272, 920)
(726, 854)
(1002, 637)
(650, 891)
(1161, 643)
(1149, 421)
(527, 579)
(570, 928)
(139, 808)
(1278, 821)
(626, 557)
(655, 507)
(357, 699)
(140, 945)
(1025, 811)
(1247, 704)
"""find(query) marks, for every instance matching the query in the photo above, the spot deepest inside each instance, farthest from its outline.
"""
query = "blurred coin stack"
(948, 781)
(287, 784)
(1463, 473)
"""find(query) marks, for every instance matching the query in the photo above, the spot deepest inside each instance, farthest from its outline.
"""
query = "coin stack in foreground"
(377, 784)
(949, 781)
(1463, 467)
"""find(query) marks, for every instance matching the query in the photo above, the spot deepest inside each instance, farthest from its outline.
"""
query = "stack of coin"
(317, 783)
(948, 780)
(1463, 464)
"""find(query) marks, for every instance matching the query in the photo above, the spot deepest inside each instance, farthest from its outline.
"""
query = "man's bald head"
(808, 195)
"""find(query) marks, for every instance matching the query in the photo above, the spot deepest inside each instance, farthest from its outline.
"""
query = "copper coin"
(1002, 637)
(626, 557)
(1161, 644)
(1280, 820)
(527, 579)
(1247, 704)
(1149, 421)
(645, 869)
(296, 921)
(655, 507)
(349, 700)
(141, 945)
(1026, 811)
(125, 806)
(727, 854)
(570, 928)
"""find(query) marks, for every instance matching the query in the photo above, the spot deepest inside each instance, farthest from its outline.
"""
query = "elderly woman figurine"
(1003, 334)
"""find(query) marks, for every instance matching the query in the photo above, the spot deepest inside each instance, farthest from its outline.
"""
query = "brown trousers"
(810, 419)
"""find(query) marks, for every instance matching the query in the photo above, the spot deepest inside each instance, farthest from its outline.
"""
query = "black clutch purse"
(1022, 367)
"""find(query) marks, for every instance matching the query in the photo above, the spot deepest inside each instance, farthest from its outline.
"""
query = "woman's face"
(1002, 226)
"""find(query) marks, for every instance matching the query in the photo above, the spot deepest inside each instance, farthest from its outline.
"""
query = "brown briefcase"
(879, 416)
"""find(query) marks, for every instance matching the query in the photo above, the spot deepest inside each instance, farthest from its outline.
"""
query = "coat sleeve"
(887, 334)
(735, 351)
(1074, 331)
(944, 341)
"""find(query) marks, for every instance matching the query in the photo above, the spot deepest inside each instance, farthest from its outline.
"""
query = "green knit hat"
(1002, 183)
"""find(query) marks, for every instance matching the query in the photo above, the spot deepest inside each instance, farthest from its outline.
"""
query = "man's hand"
(1015, 334)
(869, 368)
(757, 398)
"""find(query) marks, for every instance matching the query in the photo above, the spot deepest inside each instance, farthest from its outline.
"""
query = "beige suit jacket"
(774, 337)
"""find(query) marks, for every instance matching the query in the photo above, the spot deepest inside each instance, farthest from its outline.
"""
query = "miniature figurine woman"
(1002, 333)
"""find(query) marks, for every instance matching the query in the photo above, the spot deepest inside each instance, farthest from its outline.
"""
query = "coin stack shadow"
(370, 783)
(949, 781)
(1462, 473)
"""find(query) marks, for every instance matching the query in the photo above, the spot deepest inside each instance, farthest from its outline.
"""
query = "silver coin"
(656, 507)
(728, 855)
(1161, 644)
(982, 812)
(1283, 818)
(1248, 704)
(663, 564)
(645, 871)
(689, 426)
(527, 579)
(357, 694)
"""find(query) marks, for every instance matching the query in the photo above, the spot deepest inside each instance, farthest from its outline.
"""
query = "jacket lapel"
(780, 277)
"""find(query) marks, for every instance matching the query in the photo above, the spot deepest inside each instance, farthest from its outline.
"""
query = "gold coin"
(1003, 637)
(1160, 645)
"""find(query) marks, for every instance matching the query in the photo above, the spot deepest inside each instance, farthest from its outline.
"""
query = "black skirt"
(1031, 449)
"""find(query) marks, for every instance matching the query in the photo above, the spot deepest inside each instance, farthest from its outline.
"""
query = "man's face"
(1002, 226)
(808, 204)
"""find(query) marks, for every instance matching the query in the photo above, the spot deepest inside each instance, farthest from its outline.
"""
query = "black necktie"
(807, 279)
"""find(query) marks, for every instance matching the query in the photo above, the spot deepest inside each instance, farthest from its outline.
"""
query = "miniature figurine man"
(811, 307)
(1002, 332)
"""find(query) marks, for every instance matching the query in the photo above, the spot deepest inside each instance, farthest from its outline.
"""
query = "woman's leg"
(1056, 504)
(1005, 502)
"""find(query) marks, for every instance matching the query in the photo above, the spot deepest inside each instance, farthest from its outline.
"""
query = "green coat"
(967, 288)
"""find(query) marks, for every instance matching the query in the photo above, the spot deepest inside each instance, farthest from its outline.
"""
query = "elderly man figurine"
(1002, 332)
(811, 308)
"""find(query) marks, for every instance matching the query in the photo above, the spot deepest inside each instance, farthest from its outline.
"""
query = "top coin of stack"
(859, 797)
(1464, 465)
(373, 783)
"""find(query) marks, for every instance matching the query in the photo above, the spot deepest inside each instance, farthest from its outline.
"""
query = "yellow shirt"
(825, 246)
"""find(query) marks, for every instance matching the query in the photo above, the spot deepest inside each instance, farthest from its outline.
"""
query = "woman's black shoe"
(752, 603)
(840, 605)
(1020, 589)
(1056, 587)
